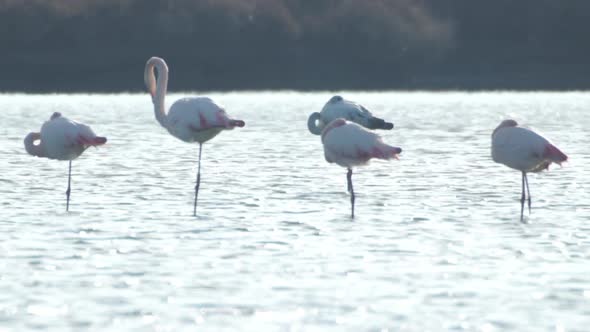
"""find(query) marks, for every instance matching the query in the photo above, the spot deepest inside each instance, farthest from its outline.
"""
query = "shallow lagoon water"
(436, 244)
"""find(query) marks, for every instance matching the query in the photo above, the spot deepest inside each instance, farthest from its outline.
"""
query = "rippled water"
(436, 245)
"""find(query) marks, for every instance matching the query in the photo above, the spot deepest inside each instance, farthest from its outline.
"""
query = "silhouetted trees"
(102, 45)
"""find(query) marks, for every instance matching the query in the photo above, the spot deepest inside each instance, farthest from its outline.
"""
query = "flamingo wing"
(349, 110)
(198, 119)
(65, 139)
(349, 145)
(520, 148)
(344, 109)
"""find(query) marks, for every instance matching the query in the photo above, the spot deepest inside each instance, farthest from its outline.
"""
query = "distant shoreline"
(516, 81)
(234, 45)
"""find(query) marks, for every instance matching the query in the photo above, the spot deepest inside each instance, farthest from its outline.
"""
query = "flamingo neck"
(32, 148)
(157, 88)
(312, 123)
(334, 124)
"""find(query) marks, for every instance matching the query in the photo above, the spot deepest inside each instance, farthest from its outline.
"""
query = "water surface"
(436, 245)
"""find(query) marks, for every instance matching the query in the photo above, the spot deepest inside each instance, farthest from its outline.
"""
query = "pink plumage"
(62, 139)
(554, 154)
(195, 119)
(348, 144)
(91, 141)
(524, 150)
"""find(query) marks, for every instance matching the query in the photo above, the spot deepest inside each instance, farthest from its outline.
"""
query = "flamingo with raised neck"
(194, 119)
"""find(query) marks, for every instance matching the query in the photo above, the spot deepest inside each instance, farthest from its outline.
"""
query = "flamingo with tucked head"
(62, 139)
(338, 107)
(524, 150)
(348, 144)
(196, 119)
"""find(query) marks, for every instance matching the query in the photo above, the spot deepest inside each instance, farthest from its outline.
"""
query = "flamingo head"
(154, 66)
(505, 124)
(335, 99)
(508, 123)
(55, 115)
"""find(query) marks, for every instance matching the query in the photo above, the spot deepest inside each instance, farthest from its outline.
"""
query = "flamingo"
(348, 144)
(196, 119)
(524, 150)
(338, 107)
(62, 139)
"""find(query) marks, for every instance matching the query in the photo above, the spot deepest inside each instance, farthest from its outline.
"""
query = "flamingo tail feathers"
(376, 123)
(554, 154)
(99, 140)
(92, 141)
(386, 152)
(236, 123)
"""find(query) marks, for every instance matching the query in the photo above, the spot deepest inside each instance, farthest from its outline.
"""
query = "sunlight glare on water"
(436, 245)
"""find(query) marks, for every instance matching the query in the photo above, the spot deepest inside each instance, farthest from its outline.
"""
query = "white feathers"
(337, 107)
(348, 144)
(196, 119)
(519, 148)
(60, 138)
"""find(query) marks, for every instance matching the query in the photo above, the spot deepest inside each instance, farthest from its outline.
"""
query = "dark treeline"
(102, 45)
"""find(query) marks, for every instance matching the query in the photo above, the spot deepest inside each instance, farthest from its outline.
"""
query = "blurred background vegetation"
(102, 45)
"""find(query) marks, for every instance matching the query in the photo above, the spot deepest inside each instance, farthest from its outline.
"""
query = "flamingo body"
(338, 107)
(62, 139)
(348, 144)
(196, 119)
(524, 150)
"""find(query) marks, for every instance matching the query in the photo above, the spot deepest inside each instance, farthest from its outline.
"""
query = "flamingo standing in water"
(524, 150)
(62, 139)
(338, 107)
(348, 144)
(196, 119)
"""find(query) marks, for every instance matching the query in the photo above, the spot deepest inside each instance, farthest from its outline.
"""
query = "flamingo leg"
(350, 189)
(522, 196)
(198, 179)
(526, 181)
(69, 187)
